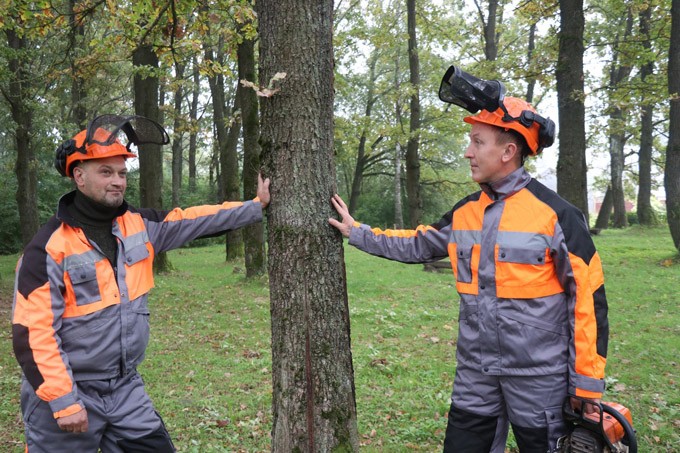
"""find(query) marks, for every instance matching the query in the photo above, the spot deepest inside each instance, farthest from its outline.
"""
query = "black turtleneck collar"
(95, 219)
(89, 212)
(77, 208)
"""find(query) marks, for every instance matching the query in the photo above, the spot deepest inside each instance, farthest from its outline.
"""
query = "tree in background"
(672, 172)
(226, 121)
(314, 405)
(619, 71)
(76, 36)
(146, 103)
(572, 181)
(628, 40)
(645, 212)
(253, 235)
(19, 96)
(415, 202)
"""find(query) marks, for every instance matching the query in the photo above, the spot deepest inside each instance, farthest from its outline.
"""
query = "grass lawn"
(208, 367)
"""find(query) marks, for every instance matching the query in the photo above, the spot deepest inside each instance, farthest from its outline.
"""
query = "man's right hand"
(347, 220)
(74, 423)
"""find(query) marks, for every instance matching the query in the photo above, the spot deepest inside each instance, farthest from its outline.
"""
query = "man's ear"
(510, 152)
(77, 173)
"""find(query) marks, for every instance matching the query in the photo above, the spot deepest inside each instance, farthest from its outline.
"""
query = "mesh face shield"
(472, 93)
(128, 130)
(107, 136)
(475, 94)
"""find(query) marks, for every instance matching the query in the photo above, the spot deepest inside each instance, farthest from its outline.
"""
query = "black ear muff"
(546, 134)
(63, 151)
(546, 130)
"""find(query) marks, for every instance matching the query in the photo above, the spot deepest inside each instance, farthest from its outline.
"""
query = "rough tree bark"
(672, 170)
(490, 33)
(361, 150)
(227, 139)
(253, 235)
(398, 209)
(193, 115)
(78, 93)
(314, 406)
(146, 101)
(177, 157)
(602, 221)
(25, 167)
(531, 46)
(618, 74)
(645, 213)
(415, 202)
(572, 181)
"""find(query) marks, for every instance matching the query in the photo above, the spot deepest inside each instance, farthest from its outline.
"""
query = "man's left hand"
(263, 190)
(75, 423)
(588, 407)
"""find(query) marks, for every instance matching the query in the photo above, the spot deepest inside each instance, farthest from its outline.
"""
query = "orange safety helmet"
(525, 120)
(75, 150)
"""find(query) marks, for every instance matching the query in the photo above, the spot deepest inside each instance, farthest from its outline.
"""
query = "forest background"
(66, 62)
(608, 71)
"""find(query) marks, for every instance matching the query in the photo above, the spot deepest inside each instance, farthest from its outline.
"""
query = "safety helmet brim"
(498, 118)
(89, 151)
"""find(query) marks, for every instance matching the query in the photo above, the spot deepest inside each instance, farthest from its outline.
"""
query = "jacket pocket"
(537, 339)
(29, 402)
(136, 254)
(84, 282)
(554, 420)
(464, 263)
(138, 330)
(469, 349)
(525, 273)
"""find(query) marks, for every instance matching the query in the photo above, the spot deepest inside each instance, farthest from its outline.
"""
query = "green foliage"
(208, 367)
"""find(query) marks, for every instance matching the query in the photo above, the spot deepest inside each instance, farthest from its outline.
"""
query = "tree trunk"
(177, 158)
(313, 380)
(78, 94)
(25, 167)
(572, 183)
(193, 115)
(531, 81)
(672, 170)
(146, 93)
(398, 211)
(229, 173)
(361, 150)
(227, 139)
(645, 213)
(602, 221)
(617, 127)
(219, 116)
(253, 235)
(617, 141)
(398, 205)
(415, 202)
(490, 36)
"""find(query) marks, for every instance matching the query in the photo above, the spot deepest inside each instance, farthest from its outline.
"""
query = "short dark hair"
(511, 135)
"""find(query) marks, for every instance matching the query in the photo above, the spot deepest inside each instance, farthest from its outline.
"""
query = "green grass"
(208, 365)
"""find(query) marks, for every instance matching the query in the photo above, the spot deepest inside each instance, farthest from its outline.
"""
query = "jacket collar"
(507, 186)
(67, 200)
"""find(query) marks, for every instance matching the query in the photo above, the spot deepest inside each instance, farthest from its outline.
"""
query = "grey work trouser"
(119, 411)
(532, 404)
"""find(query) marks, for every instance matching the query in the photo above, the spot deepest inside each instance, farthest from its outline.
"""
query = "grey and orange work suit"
(533, 322)
(81, 325)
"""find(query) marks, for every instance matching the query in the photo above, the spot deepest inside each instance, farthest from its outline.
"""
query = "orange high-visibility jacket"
(532, 298)
(77, 317)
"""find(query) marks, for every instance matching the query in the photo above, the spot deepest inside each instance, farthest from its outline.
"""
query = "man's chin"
(113, 202)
